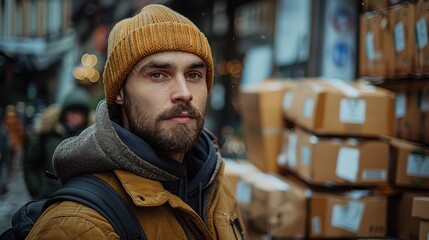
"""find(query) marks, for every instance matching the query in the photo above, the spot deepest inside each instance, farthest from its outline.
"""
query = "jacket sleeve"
(71, 221)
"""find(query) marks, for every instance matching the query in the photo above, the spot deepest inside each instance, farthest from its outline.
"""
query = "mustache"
(178, 109)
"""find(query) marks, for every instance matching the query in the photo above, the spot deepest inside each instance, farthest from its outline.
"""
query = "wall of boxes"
(343, 160)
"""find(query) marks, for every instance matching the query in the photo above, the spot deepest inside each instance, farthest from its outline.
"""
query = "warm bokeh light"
(221, 68)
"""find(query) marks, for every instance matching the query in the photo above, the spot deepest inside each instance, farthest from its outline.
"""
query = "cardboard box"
(421, 23)
(424, 230)
(341, 161)
(278, 206)
(401, 27)
(334, 107)
(243, 193)
(374, 61)
(263, 122)
(421, 207)
(345, 216)
(284, 207)
(406, 111)
(401, 222)
(370, 5)
(387, 42)
(409, 164)
(420, 132)
(235, 169)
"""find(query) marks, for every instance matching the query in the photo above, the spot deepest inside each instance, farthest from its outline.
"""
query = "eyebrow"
(154, 64)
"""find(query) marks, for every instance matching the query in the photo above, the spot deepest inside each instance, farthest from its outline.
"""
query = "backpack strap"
(95, 193)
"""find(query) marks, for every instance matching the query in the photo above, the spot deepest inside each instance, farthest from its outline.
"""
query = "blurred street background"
(368, 66)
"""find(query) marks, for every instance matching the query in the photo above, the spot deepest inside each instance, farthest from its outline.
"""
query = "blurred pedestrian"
(148, 141)
(16, 134)
(56, 123)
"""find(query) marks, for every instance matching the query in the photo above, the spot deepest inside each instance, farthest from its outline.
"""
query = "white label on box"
(348, 217)
(243, 192)
(421, 33)
(287, 100)
(352, 110)
(374, 175)
(315, 224)
(291, 150)
(369, 46)
(424, 100)
(400, 105)
(282, 159)
(305, 155)
(271, 182)
(399, 37)
(348, 163)
(418, 165)
(308, 107)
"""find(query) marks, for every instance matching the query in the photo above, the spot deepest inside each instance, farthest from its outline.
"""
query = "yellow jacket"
(162, 215)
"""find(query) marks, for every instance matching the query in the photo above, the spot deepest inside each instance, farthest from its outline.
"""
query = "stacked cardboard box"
(284, 207)
(263, 121)
(333, 107)
(421, 211)
(394, 40)
(336, 161)
(333, 144)
(412, 109)
(387, 42)
(370, 5)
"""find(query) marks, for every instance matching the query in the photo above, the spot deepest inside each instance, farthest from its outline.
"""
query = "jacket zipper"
(206, 210)
(235, 224)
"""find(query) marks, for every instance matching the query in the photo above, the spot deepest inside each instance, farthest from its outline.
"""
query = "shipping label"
(400, 105)
(243, 192)
(374, 175)
(305, 155)
(287, 100)
(369, 46)
(421, 33)
(348, 163)
(291, 150)
(352, 110)
(348, 217)
(418, 164)
(399, 37)
(308, 107)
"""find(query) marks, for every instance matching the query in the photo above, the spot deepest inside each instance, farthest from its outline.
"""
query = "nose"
(181, 92)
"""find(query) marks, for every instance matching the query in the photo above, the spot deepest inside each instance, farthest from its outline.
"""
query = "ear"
(120, 97)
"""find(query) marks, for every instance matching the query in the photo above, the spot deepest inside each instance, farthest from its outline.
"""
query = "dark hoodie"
(106, 146)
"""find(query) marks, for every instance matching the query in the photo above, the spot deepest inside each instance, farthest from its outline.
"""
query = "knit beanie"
(156, 28)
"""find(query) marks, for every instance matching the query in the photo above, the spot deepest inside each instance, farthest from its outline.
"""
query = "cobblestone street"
(15, 197)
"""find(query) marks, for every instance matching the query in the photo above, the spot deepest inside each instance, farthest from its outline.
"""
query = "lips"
(184, 117)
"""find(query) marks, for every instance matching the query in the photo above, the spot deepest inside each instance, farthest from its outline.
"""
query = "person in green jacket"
(57, 122)
(148, 141)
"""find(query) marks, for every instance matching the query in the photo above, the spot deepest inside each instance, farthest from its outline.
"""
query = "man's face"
(75, 118)
(164, 100)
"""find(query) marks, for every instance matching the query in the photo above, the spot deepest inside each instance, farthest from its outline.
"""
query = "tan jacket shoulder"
(161, 214)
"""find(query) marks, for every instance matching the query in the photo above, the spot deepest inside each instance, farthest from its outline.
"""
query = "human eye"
(194, 76)
(157, 76)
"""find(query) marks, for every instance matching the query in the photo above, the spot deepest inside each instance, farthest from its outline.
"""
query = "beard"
(174, 138)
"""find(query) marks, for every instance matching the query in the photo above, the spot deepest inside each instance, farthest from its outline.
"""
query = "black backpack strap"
(100, 196)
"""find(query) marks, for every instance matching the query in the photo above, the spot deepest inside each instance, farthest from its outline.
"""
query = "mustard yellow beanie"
(155, 29)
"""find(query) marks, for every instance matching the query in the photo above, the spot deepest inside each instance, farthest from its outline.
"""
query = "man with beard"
(148, 140)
